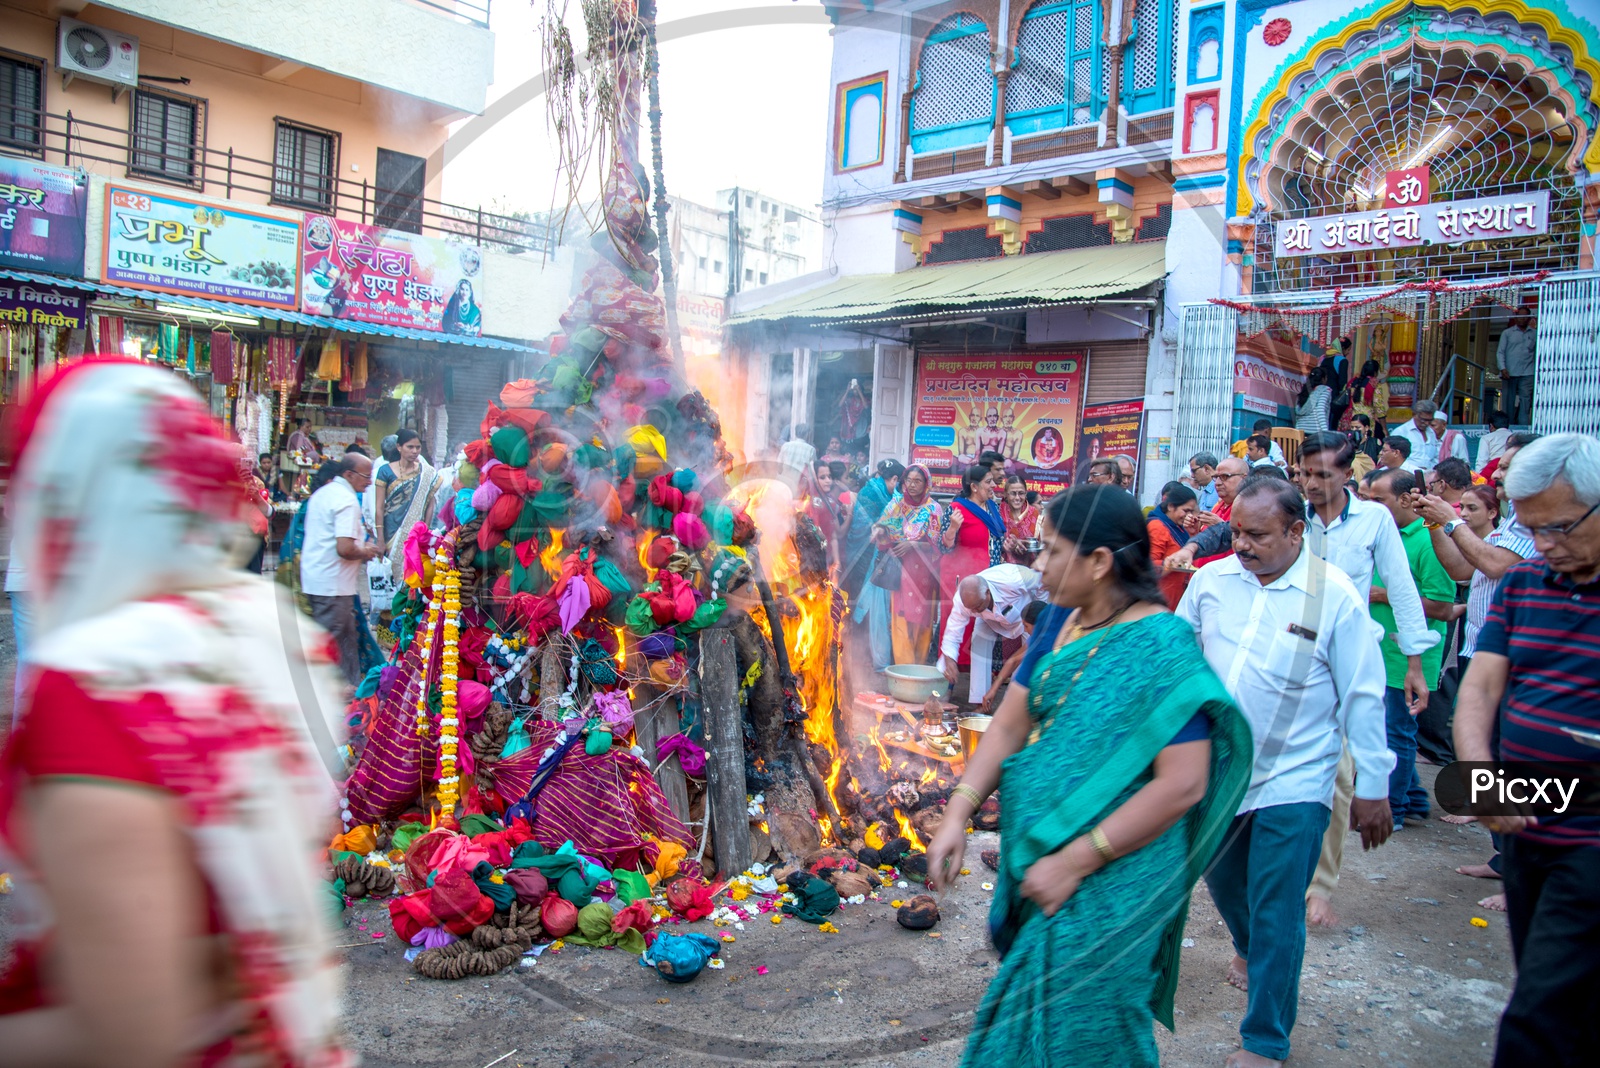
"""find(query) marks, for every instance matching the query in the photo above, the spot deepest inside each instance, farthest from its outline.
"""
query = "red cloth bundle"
(576, 569)
(638, 916)
(530, 885)
(558, 917)
(493, 419)
(513, 480)
(478, 452)
(530, 420)
(660, 550)
(664, 495)
(503, 513)
(693, 503)
(689, 898)
(539, 615)
(457, 904)
(520, 394)
(675, 603)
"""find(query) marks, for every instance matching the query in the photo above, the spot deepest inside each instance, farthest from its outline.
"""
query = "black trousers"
(1553, 905)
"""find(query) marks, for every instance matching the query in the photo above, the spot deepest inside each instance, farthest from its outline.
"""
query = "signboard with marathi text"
(31, 305)
(42, 209)
(1113, 429)
(1022, 405)
(1443, 223)
(177, 245)
(371, 274)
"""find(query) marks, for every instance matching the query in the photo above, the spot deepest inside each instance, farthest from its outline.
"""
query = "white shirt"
(1303, 690)
(1513, 537)
(1513, 355)
(1364, 539)
(1011, 586)
(1424, 445)
(1453, 445)
(1490, 446)
(333, 512)
(797, 454)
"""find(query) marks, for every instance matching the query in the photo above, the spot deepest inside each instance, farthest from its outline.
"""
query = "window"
(749, 202)
(969, 243)
(702, 263)
(305, 165)
(749, 275)
(1057, 78)
(22, 103)
(1151, 63)
(953, 102)
(400, 181)
(1205, 43)
(169, 137)
(857, 125)
(1200, 122)
(763, 277)
(716, 266)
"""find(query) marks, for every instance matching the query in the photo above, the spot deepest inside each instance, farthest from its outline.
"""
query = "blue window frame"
(953, 100)
(1149, 63)
(1057, 77)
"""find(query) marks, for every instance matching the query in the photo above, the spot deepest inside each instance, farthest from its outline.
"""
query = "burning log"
(726, 807)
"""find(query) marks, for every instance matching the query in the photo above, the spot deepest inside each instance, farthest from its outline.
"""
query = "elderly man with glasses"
(1537, 669)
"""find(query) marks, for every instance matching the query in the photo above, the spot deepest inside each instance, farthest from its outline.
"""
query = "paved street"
(1407, 981)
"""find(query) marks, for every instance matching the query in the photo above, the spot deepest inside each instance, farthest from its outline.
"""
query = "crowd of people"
(1232, 682)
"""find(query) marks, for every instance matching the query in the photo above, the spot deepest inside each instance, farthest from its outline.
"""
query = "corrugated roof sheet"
(1075, 275)
(225, 307)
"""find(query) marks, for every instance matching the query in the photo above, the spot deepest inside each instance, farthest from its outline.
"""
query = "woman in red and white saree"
(165, 791)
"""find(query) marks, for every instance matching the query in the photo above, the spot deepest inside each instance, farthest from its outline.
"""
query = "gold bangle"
(1102, 845)
(963, 790)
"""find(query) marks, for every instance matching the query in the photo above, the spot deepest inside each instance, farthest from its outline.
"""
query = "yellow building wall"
(244, 92)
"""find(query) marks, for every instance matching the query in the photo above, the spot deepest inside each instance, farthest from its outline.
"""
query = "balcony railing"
(229, 175)
(473, 11)
(1058, 144)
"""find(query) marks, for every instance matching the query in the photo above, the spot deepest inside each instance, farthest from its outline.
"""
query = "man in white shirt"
(1291, 639)
(1452, 443)
(1514, 357)
(797, 452)
(334, 556)
(993, 601)
(1274, 453)
(1492, 444)
(1419, 431)
(1359, 538)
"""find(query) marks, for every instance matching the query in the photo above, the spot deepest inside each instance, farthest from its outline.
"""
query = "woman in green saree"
(1122, 760)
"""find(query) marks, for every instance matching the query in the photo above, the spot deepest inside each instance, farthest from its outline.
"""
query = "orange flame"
(909, 831)
(622, 652)
(551, 556)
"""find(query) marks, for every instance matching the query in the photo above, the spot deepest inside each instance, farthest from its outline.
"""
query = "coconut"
(918, 914)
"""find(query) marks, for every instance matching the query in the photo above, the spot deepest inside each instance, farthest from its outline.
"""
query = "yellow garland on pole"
(449, 664)
(429, 626)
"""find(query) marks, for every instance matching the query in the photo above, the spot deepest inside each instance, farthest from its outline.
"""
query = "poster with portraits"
(1024, 406)
(1113, 429)
(372, 274)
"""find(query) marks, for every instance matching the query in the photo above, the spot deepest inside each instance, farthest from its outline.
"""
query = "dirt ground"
(1405, 982)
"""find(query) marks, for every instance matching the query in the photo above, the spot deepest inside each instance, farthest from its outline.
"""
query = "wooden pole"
(726, 804)
(655, 719)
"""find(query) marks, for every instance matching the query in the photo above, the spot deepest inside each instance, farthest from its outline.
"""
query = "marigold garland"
(449, 664)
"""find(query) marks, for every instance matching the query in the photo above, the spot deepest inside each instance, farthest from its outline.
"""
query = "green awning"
(1077, 275)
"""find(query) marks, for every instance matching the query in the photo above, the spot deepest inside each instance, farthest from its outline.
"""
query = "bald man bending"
(992, 601)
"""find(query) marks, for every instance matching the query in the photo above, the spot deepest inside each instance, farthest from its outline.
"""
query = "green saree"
(1082, 986)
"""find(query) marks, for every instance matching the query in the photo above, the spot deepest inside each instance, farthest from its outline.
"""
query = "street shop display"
(1024, 406)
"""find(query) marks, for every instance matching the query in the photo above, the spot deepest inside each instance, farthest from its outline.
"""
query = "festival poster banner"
(42, 212)
(33, 305)
(1024, 406)
(371, 274)
(177, 245)
(1115, 428)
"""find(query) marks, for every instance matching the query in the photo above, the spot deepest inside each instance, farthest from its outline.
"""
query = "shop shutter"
(1203, 387)
(474, 382)
(1566, 381)
(1116, 370)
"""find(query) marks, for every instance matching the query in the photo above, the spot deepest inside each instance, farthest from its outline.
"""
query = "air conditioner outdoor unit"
(85, 51)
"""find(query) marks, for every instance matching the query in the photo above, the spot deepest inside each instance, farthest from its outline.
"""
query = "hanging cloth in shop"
(328, 366)
(110, 335)
(280, 361)
(188, 358)
(222, 369)
(167, 343)
(358, 366)
(345, 360)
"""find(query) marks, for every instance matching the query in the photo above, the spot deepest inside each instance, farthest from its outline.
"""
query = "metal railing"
(473, 11)
(227, 174)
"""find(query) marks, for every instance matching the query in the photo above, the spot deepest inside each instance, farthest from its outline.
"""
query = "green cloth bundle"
(594, 929)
